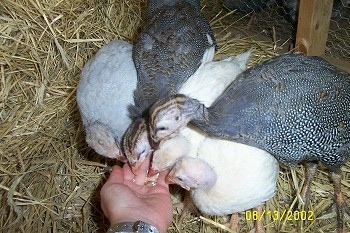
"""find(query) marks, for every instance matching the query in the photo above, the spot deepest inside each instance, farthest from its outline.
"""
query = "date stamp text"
(276, 215)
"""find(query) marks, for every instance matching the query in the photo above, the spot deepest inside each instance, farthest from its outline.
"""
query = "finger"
(128, 174)
(116, 176)
(141, 176)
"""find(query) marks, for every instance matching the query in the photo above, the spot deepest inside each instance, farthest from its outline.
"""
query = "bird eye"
(162, 128)
(177, 118)
(100, 142)
(142, 152)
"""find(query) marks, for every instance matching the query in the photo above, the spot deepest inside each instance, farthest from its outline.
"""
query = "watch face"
(131, 227)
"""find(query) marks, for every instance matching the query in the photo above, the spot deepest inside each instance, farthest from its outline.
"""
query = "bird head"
(171, 114)
(136, 145)
(192, 173)
(100, 138)
(178, 175)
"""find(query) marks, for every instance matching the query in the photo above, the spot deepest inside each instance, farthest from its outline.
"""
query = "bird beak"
(152, 172)
(154, 137)
(121, 157)
(169, 180)
(135, 167)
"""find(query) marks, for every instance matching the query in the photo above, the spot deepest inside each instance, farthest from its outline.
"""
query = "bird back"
(296, 107)
(169, 50)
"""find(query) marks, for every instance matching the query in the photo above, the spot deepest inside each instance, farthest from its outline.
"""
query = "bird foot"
(339, 201)
(259, 225)
(340, 212)
(233, 224)
(305, 193)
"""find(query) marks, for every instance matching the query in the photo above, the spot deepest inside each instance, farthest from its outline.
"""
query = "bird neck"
(192, 109)
(207, 175)
(135, 131)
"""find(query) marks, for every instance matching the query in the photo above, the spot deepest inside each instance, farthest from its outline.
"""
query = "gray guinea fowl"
(295, 107)
(169, 49)
(104, 92)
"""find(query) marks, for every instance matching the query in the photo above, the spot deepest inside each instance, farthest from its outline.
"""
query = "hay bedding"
(49, 178)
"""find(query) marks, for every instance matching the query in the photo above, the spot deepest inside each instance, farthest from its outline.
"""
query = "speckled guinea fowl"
(169, 49)
(205, 85)
(104, 92)
(293, 106)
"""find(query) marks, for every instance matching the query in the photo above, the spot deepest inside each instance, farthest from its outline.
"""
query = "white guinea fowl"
(104, 92)
(227, 177)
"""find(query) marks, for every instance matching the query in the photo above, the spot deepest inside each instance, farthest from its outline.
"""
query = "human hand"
(126, 198)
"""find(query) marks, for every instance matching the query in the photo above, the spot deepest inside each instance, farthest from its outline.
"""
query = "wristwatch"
(132, 227)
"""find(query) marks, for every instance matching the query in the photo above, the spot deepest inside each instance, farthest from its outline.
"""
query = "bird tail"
(242, 59)
(209, 52)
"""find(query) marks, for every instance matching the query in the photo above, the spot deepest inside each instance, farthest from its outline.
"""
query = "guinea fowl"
(104, 92)
(176, 39)
(295, 107)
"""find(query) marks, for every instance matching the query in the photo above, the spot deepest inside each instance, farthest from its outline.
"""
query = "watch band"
(133, 227)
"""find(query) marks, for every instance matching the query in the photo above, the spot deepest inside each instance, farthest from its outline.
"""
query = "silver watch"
(131, 227)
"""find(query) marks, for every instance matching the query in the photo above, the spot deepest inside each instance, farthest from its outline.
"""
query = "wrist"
(130, 227)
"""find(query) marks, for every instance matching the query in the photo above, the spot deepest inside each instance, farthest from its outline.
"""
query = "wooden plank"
(313, 26)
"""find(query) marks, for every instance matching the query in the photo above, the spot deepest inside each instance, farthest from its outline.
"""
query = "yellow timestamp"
(277, 215)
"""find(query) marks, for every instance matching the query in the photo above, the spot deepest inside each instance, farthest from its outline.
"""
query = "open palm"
(126, 198)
